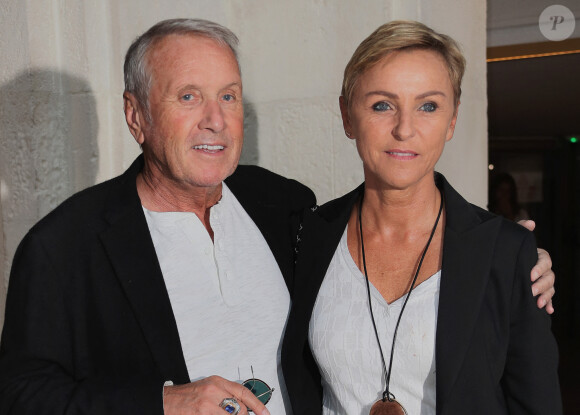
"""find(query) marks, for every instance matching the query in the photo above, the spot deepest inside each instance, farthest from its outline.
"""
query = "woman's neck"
(402, 211)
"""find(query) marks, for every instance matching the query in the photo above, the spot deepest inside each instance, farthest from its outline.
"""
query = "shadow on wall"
(48, 151)
(250, 152)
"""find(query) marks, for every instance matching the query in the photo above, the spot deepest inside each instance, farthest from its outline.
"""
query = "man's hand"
(542, 275)
(203, 397)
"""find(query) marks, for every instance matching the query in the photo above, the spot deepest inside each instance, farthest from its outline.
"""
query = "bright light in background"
(573, 139)
(491, 167)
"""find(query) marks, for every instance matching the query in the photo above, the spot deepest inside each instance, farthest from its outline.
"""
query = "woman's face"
(401, 114)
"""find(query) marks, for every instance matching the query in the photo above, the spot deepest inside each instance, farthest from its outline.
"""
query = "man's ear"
(135, 116)
(345, 117)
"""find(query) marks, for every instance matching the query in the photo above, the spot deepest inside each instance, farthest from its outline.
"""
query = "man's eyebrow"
(234, 84)
(194, 86)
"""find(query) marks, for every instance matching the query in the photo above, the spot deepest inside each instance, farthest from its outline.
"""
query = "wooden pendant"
(387, 407)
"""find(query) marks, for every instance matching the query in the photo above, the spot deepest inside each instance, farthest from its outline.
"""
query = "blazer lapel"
(322, 232)
(271, 220)
(130, 248)
(272, 216)
(465, 269)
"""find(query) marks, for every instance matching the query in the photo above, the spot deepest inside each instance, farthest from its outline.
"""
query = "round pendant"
(387, 407)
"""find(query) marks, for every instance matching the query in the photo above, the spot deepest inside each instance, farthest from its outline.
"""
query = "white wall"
(61, 125)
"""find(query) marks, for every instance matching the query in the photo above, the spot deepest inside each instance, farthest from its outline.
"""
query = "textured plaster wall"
(61, 121)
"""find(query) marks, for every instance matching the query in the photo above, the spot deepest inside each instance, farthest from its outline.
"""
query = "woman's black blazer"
(494, 349)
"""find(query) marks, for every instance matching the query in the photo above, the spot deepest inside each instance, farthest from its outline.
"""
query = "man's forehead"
(182, 62)
(190, 47)
(176, 42)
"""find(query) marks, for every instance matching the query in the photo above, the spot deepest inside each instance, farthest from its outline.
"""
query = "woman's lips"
(402, 154)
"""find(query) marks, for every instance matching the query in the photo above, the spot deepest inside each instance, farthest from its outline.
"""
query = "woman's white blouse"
(344, 344)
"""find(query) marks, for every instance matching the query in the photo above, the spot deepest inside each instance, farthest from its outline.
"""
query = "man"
(164, 273)
(161, 290)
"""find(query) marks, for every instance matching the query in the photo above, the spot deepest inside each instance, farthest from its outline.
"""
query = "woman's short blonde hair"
(402, 35)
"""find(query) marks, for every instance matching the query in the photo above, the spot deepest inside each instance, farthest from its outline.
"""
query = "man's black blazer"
(89, 326)
(494, 351)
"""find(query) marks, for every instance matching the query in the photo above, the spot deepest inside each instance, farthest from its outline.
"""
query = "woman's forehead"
(407, 70)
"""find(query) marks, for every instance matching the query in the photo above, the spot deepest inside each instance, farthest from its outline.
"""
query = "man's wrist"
(167, 383)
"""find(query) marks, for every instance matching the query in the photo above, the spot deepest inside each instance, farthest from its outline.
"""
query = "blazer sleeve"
(38, 370)
(530, 379)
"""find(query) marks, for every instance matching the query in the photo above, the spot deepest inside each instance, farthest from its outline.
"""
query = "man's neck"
(161, 196)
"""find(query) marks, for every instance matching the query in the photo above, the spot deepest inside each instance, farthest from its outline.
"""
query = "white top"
(229, 297)
(344, 343)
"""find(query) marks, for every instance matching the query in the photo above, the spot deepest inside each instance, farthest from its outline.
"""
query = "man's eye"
(381, 106)
(187, 97)
(428, 107)
(228, 97)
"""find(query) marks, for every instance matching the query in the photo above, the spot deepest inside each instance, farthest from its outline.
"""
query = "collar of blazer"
(130, 249)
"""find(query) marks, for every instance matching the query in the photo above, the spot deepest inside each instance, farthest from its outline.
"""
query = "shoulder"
(76, 208)
(82, 215)
(95, 202)
(462, 216)
(340, 206)
(509, 241)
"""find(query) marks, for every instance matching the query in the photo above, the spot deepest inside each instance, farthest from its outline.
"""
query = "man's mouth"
(208, 147)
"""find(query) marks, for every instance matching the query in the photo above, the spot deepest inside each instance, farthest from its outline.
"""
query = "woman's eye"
(428, 107)
(381, 106)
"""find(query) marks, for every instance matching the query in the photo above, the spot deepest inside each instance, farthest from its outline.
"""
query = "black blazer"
(494, 350)
(89, 326)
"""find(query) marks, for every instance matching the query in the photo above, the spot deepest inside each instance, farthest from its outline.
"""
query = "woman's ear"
(451, 128)
(345, 117)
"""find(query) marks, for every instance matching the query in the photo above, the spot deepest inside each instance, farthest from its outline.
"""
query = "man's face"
(195, 134)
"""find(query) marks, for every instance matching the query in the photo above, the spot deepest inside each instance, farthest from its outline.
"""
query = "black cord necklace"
(389, 405)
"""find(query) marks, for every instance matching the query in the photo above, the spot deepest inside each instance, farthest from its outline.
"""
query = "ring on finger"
(231, 406)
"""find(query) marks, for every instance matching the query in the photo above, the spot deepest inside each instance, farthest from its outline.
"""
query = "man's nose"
(213, 117)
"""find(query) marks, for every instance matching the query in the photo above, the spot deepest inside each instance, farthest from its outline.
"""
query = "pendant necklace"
(388, 405)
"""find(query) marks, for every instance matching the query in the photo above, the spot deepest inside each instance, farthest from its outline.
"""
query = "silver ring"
(231, 406)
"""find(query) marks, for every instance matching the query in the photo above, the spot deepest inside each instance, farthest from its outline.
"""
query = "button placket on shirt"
(229, 294)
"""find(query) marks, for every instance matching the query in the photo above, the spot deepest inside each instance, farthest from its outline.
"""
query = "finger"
(545, 298)
(212, 391)
(543, 266)
(550, 307)
(544, 284)
(528, 224)
(245, 396)
(243, 410)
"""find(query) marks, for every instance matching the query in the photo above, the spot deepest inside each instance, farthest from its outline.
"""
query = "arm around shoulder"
(530, 379)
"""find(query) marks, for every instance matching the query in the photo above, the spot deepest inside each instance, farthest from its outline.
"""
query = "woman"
(406, 263)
